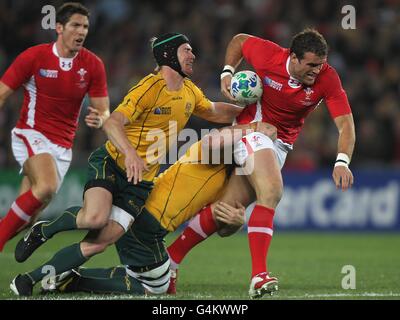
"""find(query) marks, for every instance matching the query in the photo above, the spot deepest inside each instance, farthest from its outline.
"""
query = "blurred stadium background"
(367, 60)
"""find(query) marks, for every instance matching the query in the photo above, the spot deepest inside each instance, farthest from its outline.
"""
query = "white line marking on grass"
(202, 296)
(340, 295)
(112, 297)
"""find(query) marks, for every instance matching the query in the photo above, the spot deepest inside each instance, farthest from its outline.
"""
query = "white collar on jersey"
(293, 82)
(65, 63)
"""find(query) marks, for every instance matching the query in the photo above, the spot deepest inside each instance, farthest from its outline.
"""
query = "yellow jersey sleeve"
(203, 104)
(137, 101)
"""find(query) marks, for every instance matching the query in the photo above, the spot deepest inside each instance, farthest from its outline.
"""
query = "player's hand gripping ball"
(246, 87)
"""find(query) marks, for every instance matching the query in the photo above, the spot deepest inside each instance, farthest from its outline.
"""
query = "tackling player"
(120, 174)
(179, 192)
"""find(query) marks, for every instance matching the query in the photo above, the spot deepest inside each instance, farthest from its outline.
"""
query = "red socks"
(19, 214)
(199, 229)
(260, 230)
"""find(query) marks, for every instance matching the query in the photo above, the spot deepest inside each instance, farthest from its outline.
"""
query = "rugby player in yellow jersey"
(178, 194)
(119, 173)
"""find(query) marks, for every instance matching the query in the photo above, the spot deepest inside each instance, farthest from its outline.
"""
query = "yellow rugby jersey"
(156, 115)
(184, 188)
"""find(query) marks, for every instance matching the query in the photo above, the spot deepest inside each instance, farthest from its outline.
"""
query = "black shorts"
(103, 172)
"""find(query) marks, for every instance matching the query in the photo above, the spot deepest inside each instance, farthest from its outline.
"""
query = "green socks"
(67, 221)
(102, 272)
(64, 260)
(110, 280)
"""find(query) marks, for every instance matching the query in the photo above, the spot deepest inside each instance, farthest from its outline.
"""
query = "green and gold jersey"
(156, 115)
(184, 188)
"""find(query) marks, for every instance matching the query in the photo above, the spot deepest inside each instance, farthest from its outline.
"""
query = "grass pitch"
(308, 265)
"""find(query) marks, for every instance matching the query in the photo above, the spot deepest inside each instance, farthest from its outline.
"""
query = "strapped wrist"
(342, 159)
(225, 73)
(228, 68)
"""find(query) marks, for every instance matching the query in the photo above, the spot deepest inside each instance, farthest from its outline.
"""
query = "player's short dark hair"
(309, 40)
(65, 12)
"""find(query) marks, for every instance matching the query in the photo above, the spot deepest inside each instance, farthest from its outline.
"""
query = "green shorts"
(142, 247)
(104, 172)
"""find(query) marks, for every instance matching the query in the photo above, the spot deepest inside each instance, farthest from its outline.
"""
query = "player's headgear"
(165, 50)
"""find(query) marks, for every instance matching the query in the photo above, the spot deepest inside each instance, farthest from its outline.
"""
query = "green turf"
(308, 265)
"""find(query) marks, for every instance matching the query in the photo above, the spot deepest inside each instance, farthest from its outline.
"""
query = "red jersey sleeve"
(335, 97)
(98, 85)
(259, 52)
(20, 70)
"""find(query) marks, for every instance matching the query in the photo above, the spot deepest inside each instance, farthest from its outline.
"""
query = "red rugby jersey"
(54, 89)
(286, 102)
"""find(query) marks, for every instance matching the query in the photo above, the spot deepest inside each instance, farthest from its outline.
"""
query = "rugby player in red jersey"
(55, 77)
(295, 81)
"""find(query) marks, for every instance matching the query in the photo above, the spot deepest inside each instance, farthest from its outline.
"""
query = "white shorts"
(256, 141)
(26, 143)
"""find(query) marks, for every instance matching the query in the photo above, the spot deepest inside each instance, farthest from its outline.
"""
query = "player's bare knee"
(97, 221)
(92, 218)
(277, 191)
(271, 195)
(90, 249)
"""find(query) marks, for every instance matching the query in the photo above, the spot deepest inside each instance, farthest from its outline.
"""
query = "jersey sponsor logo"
(48, 73)
(134, 206)
(308, 92)
(308, 101)
(82, 83)
(162, 110)
(272, 83)
(294, 83)
(65, 65)
(188, 109)
(82, 73)
(177, 98)
(111, 178)
(36, 142)
(38, 145)
(256, 140)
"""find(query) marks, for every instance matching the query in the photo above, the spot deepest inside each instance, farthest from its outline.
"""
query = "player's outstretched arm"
(5, 92)
(221, 112)
(226, 136)
(342, 175)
